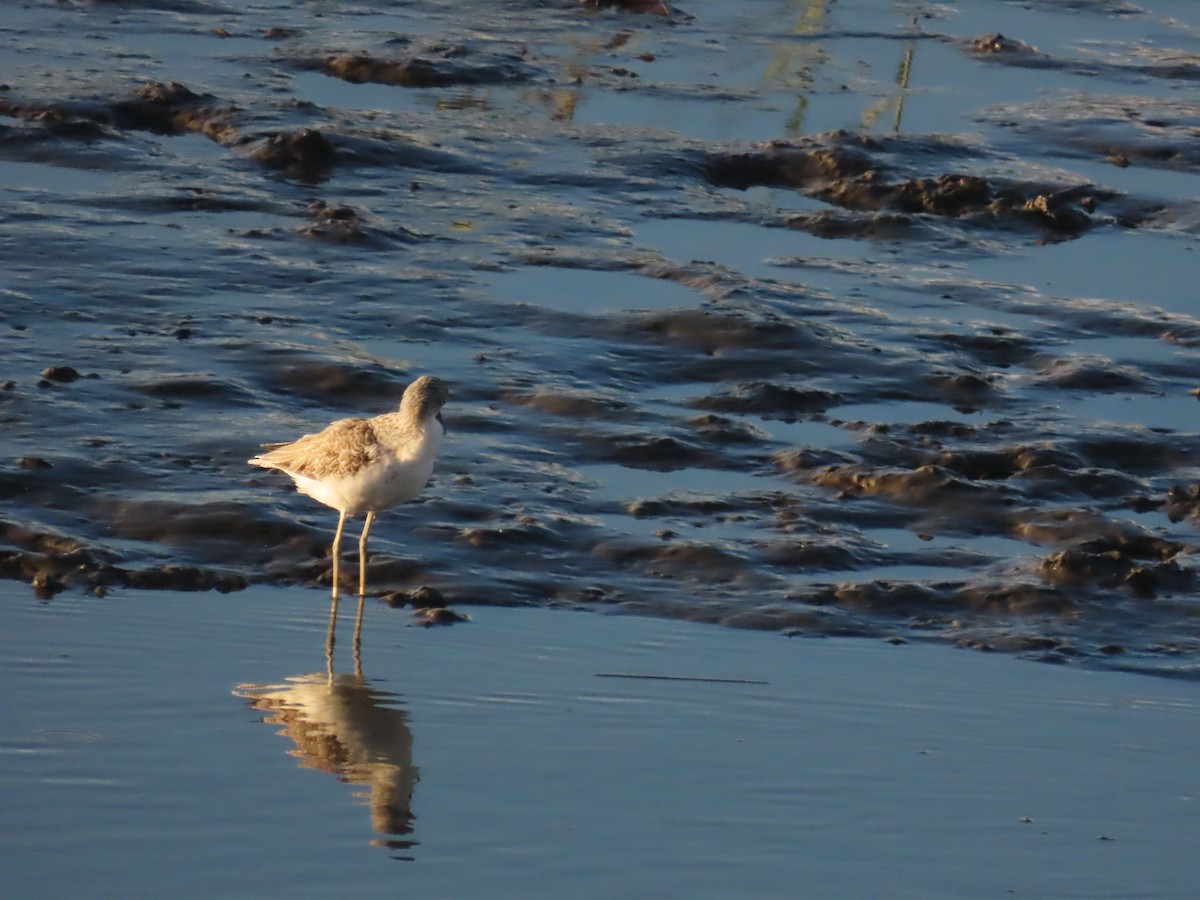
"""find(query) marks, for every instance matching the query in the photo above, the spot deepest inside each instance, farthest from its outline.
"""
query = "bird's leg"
(362, 581)
(337, 549)
(362, 556)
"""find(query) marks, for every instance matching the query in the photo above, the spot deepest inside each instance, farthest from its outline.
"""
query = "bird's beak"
(441, 422)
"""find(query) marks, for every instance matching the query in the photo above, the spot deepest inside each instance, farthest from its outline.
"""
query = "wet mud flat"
(842, 322)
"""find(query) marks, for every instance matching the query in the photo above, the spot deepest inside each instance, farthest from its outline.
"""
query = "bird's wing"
(344, 447)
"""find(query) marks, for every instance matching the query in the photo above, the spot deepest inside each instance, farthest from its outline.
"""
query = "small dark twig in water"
(680, 678)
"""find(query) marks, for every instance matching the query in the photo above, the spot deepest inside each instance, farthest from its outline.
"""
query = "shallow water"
(729, 337)
(157, 745)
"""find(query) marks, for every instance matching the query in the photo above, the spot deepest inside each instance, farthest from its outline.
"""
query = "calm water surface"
(158, 746)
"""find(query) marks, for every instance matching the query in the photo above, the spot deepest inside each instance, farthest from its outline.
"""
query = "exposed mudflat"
(827, 318)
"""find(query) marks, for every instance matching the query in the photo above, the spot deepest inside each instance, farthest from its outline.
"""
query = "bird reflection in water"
(342, 725)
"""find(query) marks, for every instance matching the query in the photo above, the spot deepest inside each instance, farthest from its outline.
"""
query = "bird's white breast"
(390, 479)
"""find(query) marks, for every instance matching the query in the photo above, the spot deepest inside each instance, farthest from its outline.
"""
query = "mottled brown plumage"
(364, 466)
(343, 448)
